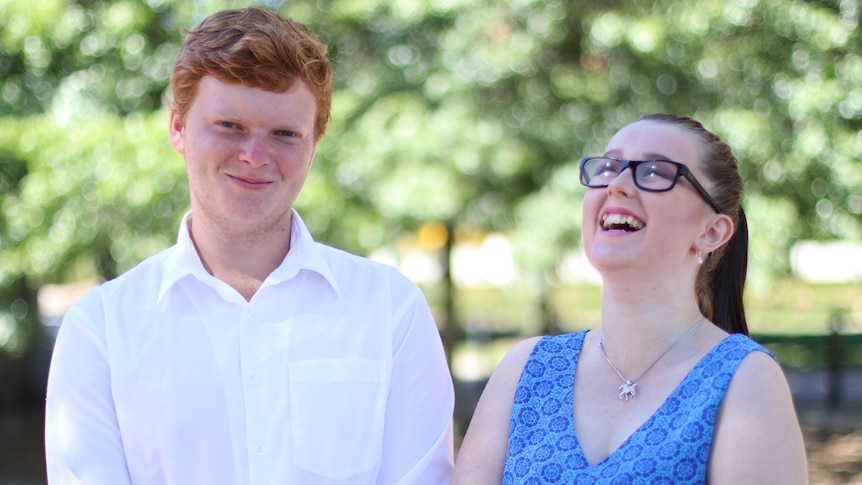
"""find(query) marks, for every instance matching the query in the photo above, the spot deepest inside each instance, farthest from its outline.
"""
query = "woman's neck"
(640, 320)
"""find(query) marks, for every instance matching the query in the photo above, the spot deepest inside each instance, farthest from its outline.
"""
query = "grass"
(789, 307)
(792, 318)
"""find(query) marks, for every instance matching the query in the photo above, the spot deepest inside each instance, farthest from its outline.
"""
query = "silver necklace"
(628, 390)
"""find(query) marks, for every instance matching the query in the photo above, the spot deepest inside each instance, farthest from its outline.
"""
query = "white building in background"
(827, 261)
(489, 264)
(575, 269)
(483, 264)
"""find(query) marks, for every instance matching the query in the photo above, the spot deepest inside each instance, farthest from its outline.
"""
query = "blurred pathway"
(811, 393)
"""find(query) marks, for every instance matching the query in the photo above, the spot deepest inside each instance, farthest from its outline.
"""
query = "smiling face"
(247, 154)
(626, 227)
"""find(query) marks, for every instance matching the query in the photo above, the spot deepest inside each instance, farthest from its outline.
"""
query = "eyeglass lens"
(651, 175)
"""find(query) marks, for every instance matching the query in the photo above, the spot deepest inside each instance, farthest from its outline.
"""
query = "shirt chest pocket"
(338, 408)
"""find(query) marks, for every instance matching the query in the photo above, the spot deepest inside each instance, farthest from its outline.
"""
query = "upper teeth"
(609, 220)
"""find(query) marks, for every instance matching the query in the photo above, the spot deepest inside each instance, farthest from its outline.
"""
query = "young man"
(248, 353)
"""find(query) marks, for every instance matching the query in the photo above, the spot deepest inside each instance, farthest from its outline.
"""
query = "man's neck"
(243, 260)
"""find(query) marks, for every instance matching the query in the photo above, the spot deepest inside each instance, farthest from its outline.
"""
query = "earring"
(699, 257)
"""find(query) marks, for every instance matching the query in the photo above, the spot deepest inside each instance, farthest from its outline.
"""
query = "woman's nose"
(624, 182)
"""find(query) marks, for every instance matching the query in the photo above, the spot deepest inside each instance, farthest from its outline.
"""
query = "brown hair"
(721, 279)
(257, 48)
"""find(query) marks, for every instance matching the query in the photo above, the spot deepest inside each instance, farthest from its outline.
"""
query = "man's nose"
(254, 150)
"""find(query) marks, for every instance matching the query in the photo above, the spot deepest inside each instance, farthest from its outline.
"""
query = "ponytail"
(728, 281)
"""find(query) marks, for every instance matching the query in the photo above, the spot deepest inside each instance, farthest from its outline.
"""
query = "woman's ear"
(716, 234)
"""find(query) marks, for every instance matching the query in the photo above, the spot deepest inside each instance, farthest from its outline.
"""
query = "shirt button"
(260, 450)
(255, 379)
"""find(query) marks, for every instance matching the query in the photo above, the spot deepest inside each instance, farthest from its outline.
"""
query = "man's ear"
(717, 233)
(176, 129)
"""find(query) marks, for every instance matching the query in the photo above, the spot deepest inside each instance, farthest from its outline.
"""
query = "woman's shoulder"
(739, 341)
(521, 352)
(757, 428)
(759, 373)
(518, 355)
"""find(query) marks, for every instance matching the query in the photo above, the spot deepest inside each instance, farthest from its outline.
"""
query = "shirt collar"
(305, 254)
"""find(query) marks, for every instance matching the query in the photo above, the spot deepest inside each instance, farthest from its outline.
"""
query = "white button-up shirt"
(334, 372)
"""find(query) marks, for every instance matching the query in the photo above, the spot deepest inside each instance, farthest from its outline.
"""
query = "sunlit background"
(452, 154)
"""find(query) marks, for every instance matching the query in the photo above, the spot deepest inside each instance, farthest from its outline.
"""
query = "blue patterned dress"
(671, 447)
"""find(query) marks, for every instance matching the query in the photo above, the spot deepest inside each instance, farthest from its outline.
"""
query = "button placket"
(253, 379)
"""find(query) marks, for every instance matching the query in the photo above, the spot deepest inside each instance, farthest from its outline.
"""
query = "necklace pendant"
(628, 391)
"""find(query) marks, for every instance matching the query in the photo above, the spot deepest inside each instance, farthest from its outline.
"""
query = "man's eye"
(228, 124)
(287, 133)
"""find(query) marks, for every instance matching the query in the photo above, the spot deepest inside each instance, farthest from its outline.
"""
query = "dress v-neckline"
(643, 426)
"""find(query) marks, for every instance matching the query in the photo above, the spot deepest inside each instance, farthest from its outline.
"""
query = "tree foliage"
(472, 113)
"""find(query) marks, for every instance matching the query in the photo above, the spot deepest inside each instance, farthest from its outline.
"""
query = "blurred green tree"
(472, 113)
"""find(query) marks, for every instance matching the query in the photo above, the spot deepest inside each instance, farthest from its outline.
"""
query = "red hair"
(254, 47)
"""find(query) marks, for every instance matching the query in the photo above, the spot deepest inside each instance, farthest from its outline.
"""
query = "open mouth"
(621, 222)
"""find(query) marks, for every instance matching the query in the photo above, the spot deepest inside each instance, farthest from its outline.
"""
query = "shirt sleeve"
(418, 439)
(82, 438)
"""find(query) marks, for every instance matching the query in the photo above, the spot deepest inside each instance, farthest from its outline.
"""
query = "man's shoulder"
(148, 272)
(347, 268)
(140, 283)
(340, 259)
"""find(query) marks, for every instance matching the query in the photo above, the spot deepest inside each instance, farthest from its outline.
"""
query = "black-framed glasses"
(649, 175)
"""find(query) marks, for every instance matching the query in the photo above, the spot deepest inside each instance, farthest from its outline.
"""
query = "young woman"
(669, 389)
